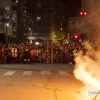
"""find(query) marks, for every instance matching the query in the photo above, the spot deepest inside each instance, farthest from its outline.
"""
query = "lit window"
(16, 0)
(38, 18)
(6, 7)
(7, 24)
(39, 5)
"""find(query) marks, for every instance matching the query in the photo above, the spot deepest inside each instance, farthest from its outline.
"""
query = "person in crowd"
(43, 55)
(4, 54)
(40, 52)
(14, 52)
(21, 54)
(56, 57)
(9, 54)
(47, 55)
(36, 53)
(32, 55)
(26, 54)
(52, 55)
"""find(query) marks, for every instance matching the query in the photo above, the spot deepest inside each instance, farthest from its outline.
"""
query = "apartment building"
(45, 17)
(77, 24)
(9, 16)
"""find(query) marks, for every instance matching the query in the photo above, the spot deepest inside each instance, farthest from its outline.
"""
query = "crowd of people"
(41, 53)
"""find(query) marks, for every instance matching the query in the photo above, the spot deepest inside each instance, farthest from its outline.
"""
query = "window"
(38, 18)
(6, 7)
(16, 0)
(14, 16)
(6, 16)
(14, 24)
(39, 5)
(6, 24)
(14, 7)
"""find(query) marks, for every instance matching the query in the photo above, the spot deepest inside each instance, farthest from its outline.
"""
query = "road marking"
(45, 73)
(27, 73)
(63, 73)
(9, 73)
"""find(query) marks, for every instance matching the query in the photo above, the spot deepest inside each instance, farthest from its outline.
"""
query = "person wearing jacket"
(26, 54)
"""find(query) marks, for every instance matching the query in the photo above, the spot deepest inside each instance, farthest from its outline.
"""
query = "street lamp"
(30, 31)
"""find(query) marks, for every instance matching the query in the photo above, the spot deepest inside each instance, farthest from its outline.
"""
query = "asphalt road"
(38, 82)
(37, 66)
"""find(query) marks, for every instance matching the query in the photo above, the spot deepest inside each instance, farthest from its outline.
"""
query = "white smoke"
(87, 70)
(87, 67)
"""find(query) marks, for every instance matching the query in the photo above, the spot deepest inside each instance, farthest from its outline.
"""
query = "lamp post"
(31, 33)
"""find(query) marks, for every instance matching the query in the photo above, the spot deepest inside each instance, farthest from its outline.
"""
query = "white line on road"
(27, 73)
(9, 73)
(63, 73)
(45, 73)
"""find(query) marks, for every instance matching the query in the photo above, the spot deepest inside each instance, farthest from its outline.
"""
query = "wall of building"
(10, 7)
(47, 17)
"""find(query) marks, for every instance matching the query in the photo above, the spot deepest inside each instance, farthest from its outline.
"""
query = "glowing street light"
(54, 35)
(37, 43)
(83, 13)
(76, 36)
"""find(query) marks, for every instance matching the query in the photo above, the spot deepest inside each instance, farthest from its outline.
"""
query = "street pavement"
(36, 66)
(38, 82)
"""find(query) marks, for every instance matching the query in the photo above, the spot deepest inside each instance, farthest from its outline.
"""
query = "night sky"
(74, 7)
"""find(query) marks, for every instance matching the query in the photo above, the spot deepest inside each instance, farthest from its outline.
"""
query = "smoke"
(87, 70)
(92, 21)
(87, 67)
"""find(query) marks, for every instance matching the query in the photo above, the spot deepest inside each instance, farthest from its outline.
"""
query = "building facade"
(45, 18)
(8, 18)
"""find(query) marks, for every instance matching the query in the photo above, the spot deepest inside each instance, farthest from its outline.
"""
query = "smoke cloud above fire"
(87, 66)
(87, 69)
(91, 24)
